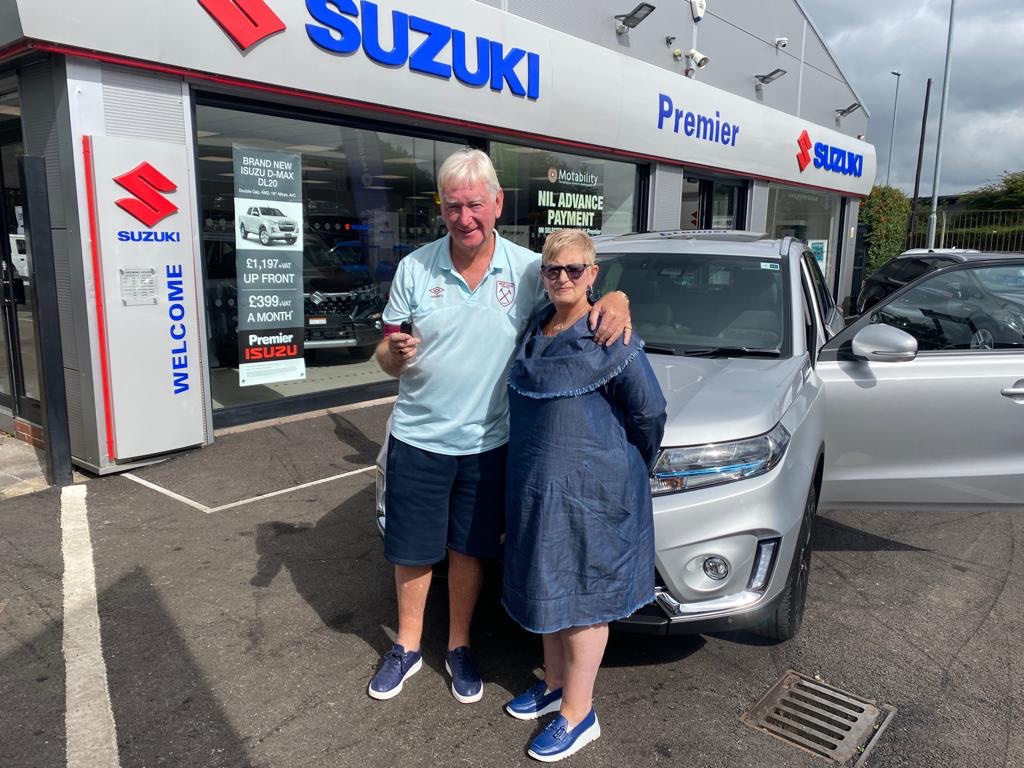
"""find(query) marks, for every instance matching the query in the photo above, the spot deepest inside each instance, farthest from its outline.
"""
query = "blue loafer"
(536, 701)
(557, 742)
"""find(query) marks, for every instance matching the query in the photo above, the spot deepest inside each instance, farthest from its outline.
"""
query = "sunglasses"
(574, 271)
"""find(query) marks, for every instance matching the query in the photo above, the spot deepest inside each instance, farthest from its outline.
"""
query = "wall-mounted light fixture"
(699, 59)
(848, 110)
(626, 21)
(771, 77)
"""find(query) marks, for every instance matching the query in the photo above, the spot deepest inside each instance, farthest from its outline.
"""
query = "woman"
(586, 425)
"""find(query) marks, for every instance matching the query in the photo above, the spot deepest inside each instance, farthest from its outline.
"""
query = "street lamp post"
(933, 216)
(892, 133)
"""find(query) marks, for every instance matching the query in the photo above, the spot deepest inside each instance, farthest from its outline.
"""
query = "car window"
(825, 302)
(270, 212)
(911, 269)
(978, 308)
(703, 300)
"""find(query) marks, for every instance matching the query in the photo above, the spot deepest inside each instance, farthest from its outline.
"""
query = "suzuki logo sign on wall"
(342, 26)
(247, 21)
(146, 183)
(803, 157)
(828, 158)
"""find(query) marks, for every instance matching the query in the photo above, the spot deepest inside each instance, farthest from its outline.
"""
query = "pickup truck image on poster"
(268, 266)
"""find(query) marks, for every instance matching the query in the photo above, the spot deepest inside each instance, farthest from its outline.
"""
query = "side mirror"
(884, 344)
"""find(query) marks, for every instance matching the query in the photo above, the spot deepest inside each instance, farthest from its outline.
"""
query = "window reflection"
(979, 308)
(368, 201)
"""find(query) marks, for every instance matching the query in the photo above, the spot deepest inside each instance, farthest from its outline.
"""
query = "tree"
(1008, 192)
(885, 213)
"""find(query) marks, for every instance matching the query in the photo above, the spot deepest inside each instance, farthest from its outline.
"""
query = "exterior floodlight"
(699, 59)
(626, 21)
(848, 110)
(771, 77)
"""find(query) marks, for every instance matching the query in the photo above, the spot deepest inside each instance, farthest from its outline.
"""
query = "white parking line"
(88, 720)
(233, 504)
(165, 492)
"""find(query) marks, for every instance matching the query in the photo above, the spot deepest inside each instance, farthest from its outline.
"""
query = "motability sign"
(343, 27)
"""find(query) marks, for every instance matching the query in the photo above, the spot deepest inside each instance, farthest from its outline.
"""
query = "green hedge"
(885, 213)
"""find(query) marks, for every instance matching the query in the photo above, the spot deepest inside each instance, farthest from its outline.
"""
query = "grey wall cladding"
(143, 106)
(666, 197)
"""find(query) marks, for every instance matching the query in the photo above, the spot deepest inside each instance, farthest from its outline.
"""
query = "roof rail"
(693, 234)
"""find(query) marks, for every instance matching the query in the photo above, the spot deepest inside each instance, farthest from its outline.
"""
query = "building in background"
(232, 184)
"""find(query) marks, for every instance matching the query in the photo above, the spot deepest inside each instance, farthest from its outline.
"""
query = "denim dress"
(585, 430)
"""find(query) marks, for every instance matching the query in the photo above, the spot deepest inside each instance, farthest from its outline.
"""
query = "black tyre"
(785, 619)
(361, 353)
(241, 230)
(289, 240)
(264, 236)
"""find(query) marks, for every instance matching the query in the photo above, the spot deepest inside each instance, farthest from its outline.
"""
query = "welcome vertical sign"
(268, 262)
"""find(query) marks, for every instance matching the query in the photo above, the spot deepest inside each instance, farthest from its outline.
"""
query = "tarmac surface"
(245, 635)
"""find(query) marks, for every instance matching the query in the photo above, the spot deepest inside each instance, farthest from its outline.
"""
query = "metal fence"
(984, 230)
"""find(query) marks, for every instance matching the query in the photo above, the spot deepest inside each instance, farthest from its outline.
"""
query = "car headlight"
(273, 227)
(700, 466)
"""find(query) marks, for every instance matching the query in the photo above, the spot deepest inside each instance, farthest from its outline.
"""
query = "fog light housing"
(764, 561)
(716, 567)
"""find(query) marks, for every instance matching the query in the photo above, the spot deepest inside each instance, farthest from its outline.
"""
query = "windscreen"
(700, 301)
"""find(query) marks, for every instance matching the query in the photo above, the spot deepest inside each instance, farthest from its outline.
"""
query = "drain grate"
(820, 719)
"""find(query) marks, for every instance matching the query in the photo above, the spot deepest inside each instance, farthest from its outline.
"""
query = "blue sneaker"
(395, 668)
(467, 686)
(557, 742)
(536, 701)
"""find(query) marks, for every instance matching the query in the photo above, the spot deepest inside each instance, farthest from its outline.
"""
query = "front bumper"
(736, 522)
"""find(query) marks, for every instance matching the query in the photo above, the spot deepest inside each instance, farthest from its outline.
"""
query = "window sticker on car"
(670, 272)
(769, 265)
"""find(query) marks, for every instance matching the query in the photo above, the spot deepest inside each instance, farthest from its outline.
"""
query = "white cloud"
(984, 133)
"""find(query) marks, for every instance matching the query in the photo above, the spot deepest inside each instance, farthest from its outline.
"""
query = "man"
(465, 298)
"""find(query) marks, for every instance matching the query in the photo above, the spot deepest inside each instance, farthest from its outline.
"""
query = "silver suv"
(746, 341)
(268, 224)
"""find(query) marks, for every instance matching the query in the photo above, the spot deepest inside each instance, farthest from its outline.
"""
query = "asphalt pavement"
(240, 625)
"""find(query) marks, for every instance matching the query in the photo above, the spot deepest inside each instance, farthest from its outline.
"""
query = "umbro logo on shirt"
(437, 291)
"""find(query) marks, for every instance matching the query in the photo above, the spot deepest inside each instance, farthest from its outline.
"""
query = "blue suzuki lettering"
(337, 31)
(424, 58)
(483, 60)
(399, 54)
(348, 36)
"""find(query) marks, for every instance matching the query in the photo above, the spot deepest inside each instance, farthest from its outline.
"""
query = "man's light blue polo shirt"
(452, 399)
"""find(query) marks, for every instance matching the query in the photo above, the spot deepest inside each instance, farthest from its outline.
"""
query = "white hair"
(469, 167)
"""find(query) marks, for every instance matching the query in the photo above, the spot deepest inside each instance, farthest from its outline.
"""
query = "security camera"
(698, 8)
(699, 59)
(781, 42)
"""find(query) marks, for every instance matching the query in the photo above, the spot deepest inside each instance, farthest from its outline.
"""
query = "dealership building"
(230, 183)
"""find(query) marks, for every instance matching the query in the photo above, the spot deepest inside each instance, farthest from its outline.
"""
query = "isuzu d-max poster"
(268, 257)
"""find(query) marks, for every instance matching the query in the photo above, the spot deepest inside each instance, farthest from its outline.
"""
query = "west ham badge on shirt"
(505, 292)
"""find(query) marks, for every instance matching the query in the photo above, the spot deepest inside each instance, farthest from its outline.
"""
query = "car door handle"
(1017, 390)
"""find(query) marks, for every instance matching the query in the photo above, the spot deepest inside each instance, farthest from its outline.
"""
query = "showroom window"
(366, 199)
(547, 191)
(713, 203)
(810, 216)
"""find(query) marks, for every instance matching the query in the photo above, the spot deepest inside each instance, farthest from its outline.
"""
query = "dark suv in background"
(904, 269)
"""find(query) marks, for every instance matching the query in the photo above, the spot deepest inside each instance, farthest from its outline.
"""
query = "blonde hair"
(572, 239)
(467, 166)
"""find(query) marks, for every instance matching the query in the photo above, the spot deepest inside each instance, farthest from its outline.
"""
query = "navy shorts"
(435, 502)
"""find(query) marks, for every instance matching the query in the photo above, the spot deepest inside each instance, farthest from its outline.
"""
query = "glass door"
(19, 375)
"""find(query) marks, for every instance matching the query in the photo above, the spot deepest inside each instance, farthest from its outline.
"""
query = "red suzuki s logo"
(246, 21)
(803, 157)
(147, 183)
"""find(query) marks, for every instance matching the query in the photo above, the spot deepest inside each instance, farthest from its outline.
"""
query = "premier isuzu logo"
(828, 158)
(146, 183)
(246, 21)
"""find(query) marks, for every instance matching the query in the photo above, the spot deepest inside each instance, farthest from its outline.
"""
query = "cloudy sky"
(984, 128)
